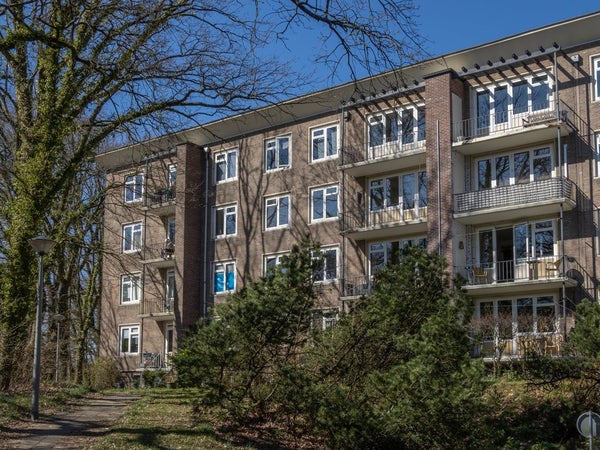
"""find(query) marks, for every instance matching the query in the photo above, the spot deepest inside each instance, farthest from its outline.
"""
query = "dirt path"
(78, 429)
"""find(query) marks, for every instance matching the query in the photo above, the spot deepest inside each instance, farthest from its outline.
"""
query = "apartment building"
(488, 156)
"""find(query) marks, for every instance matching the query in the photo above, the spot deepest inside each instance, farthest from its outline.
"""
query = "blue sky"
(453, 25)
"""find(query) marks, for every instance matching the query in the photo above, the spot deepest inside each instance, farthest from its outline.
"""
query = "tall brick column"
(438, 104)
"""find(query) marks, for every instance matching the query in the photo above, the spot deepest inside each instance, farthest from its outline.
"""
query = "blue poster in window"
(230, 281)
(219, 282)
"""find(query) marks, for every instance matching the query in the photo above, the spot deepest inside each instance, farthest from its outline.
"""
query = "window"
(326, 266)
(129, 337)
(134, 185)
(324, 203)
(224, 277)
(515, 168)
(130, 289)
(521, 315)
(277, 211)
(406, 191)
(597, 152)
(171, 230)
(540, 94)
(170, 290)
(132, 237)
(405, 125)
(390, 252)
(226, 166)
(225, 221)
(272, 261)
(536, 315)
(172, 175)
(277, 153)
(324, 143)
(383, 128)
(495, 104)
(596, 77)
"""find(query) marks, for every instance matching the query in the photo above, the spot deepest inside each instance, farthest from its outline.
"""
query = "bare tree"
(78, 72)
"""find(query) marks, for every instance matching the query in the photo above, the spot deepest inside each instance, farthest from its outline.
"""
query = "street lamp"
(41, 245)
(58, 318)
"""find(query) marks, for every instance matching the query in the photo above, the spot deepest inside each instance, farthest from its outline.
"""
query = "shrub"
(105, 374)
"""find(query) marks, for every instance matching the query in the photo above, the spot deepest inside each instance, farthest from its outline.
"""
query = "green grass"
(17, 406)
(165, 419)
(161, 419)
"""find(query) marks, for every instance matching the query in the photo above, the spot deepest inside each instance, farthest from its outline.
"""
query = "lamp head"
(41, 244)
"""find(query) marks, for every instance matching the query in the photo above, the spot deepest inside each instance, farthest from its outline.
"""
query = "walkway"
(77, 429)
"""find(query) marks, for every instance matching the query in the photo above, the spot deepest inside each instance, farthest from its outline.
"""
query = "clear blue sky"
(453, 25)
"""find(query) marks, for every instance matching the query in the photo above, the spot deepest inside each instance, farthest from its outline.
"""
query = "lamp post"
(41, 245)
(58, 318)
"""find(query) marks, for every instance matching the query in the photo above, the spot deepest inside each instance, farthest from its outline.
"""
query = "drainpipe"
(439, 185)
(561, 214)
(204, 251)
(343, 197)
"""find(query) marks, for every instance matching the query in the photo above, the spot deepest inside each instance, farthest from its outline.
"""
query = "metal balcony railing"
(505, 121)
(161, 196)
(514, 195)
(152, 252)
(151, 361)
(546, 268)
(354, 155)
(357, 286)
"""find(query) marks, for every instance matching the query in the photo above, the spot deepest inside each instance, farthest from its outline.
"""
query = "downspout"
(145, 229)
(561, 213)
(205, 243)
(343, 206)
(439, 185)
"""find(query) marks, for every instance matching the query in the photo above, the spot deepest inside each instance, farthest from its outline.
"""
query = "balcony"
(359, 162)
(357, 223)
(356, 287)
(541, 197)
(162, 201)
(159, 309)
(520, 276)
(160, 255)
(505, 129)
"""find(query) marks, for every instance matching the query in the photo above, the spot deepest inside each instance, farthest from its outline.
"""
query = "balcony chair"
(552, 268)
(479, 275)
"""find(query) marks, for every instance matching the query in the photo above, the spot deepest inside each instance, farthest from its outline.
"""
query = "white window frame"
(595, 70)
(134, 188)
(226, 211)
(172, 175)
(230, 170)
(597, 153)
(132, 331)
(276, 257)
(417, 199)
(543, 303)
(512, 176)
(330, 145)
(275, 201)
(170, 290)
(274, 146)
(387, 252)
(132, 284)
(491, 122)
(397, 136)
(225, 268)
(136, 237)
(327, 192)
(321, 276)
